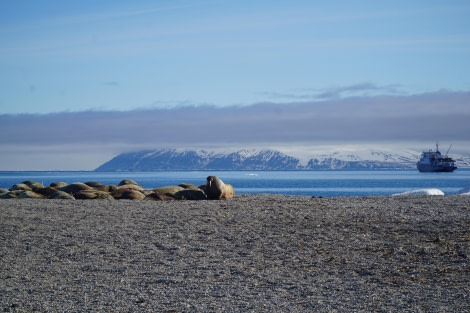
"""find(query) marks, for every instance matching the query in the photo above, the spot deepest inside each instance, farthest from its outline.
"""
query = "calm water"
(312, 183)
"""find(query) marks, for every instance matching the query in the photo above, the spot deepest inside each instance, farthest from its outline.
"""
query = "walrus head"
(214, 187)
(210, 180)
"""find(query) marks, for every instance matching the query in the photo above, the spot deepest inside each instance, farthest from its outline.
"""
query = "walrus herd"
(213, 189)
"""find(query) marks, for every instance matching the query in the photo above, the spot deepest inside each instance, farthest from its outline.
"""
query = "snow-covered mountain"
(171, 159)
(187, 160)
(364, 159)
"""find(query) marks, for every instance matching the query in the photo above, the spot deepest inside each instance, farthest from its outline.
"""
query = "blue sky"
(93, 56)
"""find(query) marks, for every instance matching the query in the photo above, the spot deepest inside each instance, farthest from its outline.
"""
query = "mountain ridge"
(254, 160)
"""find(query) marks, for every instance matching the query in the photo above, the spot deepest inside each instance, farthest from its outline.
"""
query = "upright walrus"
(216, 189)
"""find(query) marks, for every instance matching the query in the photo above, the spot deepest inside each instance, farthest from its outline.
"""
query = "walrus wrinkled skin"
(190, 194)
(127, 194)
(169, 191)
(33, 184)
(58, 184)
(75, 187)
(30, 195)
(93, 194)
(20, 186)
(128, 182)
(46, 191)
(216, 189)
(61, 195)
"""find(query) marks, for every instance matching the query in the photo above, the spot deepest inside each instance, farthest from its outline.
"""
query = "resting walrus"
(216, 189)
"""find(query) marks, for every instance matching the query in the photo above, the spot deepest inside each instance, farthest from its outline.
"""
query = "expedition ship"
(433, 161)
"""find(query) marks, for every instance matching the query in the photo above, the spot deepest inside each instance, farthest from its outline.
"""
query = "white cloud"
(89, 138)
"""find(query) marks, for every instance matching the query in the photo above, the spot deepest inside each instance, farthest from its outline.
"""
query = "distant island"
(250, 160)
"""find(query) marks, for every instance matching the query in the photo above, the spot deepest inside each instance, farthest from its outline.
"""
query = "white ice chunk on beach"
(425, 192)
(464, 191)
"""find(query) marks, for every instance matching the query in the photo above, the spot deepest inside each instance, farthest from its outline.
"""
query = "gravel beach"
(259, 253)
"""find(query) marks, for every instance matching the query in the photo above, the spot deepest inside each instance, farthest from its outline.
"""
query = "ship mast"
(448, 151)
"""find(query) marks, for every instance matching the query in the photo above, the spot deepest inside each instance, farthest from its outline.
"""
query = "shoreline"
(314, 183)
(260, 253)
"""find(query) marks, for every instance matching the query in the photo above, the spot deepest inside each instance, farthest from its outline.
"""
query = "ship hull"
(429, 168)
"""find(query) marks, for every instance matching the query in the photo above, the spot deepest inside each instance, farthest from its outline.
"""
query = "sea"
(326, 183)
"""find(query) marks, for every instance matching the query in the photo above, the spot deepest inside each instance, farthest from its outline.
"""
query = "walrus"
(61, 195)
(127, 194)
(131, 186)
(58, 184)
(92, 194)
(216, 189)
(74, 188)
(11, 194)
(33, 184)
(46, 191)
(190, 194)
(97, 186)
(128, 182)
(30, 195)
(155, 196)
(169, 191)
(20, 186)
